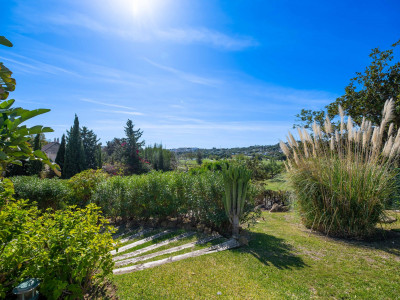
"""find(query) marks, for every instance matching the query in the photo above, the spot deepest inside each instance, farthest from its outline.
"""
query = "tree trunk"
(235, 225)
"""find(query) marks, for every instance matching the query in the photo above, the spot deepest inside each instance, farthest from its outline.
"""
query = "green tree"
(199, 157)
(366, 94)
(90, 146)
(99, 158)
(74, 161)
(61, 153)
(35, 166)
(131, 147)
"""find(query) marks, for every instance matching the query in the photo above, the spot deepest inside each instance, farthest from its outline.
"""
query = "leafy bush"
(207, 166)
(16, 224)
(343, 179)
(66, 249)
(171, 194)
(76, 245)
(84, 183)
(47, 193)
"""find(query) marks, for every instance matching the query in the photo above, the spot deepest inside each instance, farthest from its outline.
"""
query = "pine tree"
(61, 154)
(74, 161)
(131, 146)
(90, 146)
(35, 166)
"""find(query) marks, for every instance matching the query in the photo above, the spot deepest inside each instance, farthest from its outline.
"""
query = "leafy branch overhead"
(366, 94)
(14, 137)
(7, 83)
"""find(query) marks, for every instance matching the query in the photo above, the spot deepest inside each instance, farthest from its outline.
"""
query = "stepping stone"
(136, 235)
(155, 246)
(134, 244)
(232, 243)
(167, 251)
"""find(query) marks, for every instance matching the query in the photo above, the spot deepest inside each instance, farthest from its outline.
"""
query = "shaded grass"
(283, 261)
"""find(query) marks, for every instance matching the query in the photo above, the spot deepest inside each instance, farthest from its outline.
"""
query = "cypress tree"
(61, 154)
(74, 161)
(35, 166)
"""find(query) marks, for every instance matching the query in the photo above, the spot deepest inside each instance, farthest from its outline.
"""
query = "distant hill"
(268, 151)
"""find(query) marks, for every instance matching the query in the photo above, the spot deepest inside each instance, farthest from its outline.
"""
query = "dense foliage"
(158, 158)
(155, 195)
(91, 148)
(66, 249)
(74, 160)
(83, 185)
(343, 179)
(173, 194)
(46, 193)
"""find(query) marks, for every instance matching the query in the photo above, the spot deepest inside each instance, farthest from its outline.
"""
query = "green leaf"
(5, 42)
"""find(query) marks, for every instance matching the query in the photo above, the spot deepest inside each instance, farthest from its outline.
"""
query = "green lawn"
(282, 261)
(279, 183)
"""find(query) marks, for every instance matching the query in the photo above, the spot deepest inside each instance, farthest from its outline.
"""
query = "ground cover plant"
(343, 179)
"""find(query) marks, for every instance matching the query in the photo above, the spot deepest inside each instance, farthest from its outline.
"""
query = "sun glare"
(142, 9)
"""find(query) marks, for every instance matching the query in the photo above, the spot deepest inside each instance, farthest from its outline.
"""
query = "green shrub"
(17, 223)
(342, 180)
(76, 251)
(169, 194)
(83, 184)
(66, 249)
(47, 193)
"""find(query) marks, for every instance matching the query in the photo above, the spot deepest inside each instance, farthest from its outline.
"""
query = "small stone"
(219, 293)
(275, 208)
(387, 219)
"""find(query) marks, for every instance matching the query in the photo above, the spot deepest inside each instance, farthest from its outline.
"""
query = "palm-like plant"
(236, 180)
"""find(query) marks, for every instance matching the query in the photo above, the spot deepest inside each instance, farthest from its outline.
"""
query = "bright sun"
(142, 9)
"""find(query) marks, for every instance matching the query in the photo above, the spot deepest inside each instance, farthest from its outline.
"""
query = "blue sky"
(202, 73)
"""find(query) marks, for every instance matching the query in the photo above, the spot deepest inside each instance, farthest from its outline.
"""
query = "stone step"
(166, 251)
(135, 235)
(155, 246)
(140, 242)
(232, 243)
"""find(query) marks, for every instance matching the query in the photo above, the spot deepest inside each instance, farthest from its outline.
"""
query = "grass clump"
(342, 179)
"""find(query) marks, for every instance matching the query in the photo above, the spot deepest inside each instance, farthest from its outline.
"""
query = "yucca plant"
(236, 180)
(343, 178)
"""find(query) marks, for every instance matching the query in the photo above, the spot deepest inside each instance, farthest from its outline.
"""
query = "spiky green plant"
(236, 180)
(342, 179)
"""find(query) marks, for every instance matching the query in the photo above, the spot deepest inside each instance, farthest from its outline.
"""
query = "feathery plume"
(284, 148)
(294, 142)
(328, 125)
(300, 134)
(390, 131)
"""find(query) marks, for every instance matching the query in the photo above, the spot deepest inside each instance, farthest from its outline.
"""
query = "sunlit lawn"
(282, 261)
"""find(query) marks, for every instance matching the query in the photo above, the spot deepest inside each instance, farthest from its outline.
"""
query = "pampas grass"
(343, 179)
